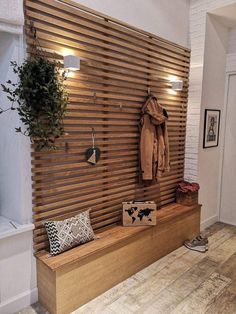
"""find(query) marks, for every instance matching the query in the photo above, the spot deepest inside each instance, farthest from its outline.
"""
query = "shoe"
(202, 238)
(198, 244)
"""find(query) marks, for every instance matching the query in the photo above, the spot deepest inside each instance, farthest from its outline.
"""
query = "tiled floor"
(183, 282)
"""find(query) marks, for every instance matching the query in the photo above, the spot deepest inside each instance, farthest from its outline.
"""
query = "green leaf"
(18, 130)
(10, 98)
(41, 98)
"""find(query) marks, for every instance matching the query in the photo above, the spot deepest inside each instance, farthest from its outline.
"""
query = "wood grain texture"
(176, 278)
(46, 281)
(83, 273)
(118, 63)
(114, 237)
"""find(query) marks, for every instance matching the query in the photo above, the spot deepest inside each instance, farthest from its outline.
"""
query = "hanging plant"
(40, 99)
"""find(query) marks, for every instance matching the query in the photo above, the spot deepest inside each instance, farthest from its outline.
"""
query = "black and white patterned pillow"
(68, 233)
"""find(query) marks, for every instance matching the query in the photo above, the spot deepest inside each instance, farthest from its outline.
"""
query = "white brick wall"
(198, 12)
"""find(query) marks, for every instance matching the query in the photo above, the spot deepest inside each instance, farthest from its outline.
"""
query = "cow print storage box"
(139, 213)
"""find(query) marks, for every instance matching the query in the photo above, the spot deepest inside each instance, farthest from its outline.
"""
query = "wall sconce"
(177, 85)
(71, 63)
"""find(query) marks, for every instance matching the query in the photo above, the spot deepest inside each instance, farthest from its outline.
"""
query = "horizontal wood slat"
(118, 64)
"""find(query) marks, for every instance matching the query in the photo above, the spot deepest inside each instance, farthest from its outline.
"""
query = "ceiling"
(226, 15)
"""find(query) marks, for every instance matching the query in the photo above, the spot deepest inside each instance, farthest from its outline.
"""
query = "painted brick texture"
(198, 12)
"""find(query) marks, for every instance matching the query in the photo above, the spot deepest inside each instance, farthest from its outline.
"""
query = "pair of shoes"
(199, 244)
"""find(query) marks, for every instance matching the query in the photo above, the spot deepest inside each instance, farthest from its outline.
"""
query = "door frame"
(223, 125)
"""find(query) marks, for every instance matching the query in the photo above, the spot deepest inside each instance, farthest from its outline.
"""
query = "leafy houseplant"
(41, 100)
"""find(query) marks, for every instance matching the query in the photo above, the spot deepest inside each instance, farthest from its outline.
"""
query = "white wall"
(15, 174)
(18, 286)
(17, 264)
(203, 166)
(167, 19)
(231, 51)
(228, 182)
(231, 47)
(213, 91)
(11, 16)
(197, 33)
(225, 211)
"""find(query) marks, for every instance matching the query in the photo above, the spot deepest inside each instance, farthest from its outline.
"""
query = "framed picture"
(211, 128)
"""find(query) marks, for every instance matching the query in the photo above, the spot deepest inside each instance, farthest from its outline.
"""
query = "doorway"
(228, 187)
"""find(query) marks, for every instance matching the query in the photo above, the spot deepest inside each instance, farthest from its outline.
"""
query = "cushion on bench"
(109, 238)
(71, 279)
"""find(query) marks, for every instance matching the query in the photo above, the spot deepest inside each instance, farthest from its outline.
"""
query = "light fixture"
(72, 63)
(177, 85)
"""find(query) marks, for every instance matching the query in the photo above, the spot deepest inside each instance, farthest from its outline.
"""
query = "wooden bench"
(71, 279)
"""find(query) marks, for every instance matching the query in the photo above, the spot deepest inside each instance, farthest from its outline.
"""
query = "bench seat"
(71, 279)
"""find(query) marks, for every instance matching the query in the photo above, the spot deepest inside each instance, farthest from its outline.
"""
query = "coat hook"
(121, 106)
(32, 28)
(94, 96)
(149, 91)
(66, 146)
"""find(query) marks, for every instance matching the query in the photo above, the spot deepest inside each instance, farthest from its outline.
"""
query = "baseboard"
(208, 222)
(225, 221)
(20, 301)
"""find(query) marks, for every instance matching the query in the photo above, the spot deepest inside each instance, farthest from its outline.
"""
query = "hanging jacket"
(154, 145)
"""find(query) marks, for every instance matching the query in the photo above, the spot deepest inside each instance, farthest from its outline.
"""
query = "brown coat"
(154, 145)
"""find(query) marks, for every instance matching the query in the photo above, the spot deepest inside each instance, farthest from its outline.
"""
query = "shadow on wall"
(17, 272)
(15, 175)
(213, 93)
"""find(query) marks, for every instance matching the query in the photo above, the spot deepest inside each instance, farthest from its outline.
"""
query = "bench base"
(66, 288)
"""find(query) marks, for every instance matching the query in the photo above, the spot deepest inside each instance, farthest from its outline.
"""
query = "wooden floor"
(183, 282)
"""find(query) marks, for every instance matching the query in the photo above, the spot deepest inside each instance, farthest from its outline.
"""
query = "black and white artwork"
(139, 213)
(136, 213)
(211, 128)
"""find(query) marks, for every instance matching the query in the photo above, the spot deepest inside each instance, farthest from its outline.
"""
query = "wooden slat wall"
(119, 63)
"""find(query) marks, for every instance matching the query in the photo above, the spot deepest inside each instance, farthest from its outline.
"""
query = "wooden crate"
(139, 213)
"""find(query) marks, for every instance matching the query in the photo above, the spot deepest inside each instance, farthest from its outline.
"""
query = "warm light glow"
(172, 78)
(72, 69)
(70, 74)
(66, 52)
(172, 92)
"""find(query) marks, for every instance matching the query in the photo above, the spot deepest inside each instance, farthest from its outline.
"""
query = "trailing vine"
(40, 99)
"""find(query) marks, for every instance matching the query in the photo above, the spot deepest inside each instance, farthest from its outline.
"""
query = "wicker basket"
(188, 198)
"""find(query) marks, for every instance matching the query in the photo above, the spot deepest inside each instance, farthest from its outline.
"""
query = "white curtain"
(11, 16)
